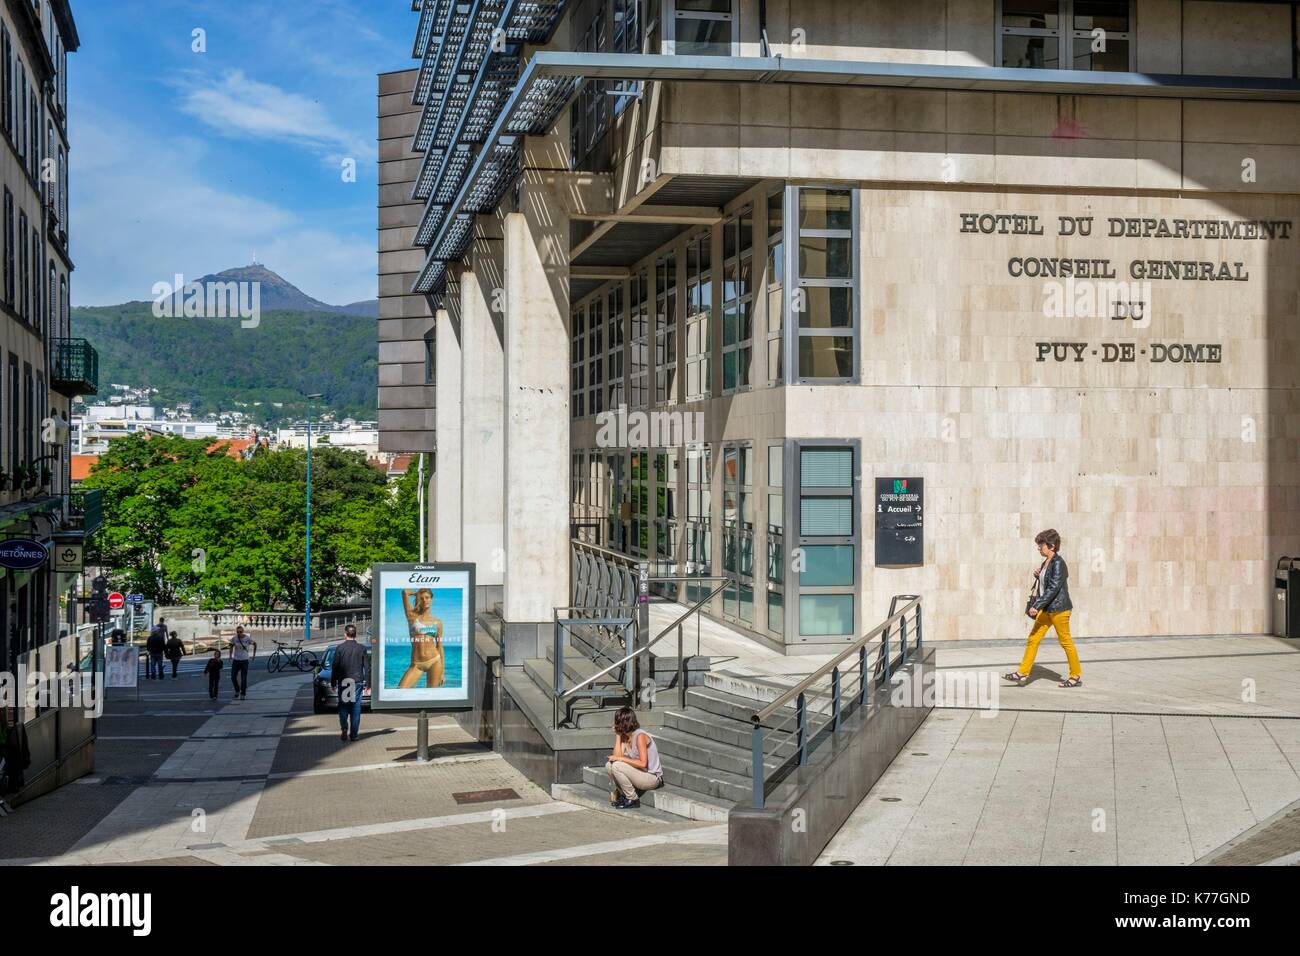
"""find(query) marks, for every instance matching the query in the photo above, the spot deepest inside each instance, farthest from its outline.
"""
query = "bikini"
(429, 631)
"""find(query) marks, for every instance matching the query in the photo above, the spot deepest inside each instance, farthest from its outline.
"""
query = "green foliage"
(220, 366)
(183, 525)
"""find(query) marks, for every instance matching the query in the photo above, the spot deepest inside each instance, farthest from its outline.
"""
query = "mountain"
(278, 294)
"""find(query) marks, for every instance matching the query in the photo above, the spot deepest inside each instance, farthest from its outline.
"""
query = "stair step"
(734, 707)
(542, 673)
(668, 798)
(676, 745)
(491, 623)
(597, 798)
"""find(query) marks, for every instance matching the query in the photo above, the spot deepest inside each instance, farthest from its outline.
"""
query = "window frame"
(796, 491)
(1063, 33)
(794, 331)
(671, 15)
(741, 301)
(699, 324)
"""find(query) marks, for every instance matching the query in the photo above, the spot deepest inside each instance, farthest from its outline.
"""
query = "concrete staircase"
(705, 750)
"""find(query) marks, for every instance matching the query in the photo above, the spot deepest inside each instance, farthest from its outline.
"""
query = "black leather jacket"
(1053, 592)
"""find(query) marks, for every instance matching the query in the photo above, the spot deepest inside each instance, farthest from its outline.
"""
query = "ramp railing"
(791, 727)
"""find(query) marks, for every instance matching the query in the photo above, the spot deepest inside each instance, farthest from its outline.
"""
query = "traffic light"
(97, 609)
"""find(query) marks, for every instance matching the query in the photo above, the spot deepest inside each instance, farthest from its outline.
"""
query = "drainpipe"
(419, 497)
(762, 28)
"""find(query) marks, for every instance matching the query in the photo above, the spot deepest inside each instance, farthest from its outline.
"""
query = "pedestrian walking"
(156, 646)
(1049, 606)
(348, 673)
(213, 669)
(240, 647)
(175, 651)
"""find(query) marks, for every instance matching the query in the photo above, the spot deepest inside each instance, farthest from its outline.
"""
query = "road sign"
(115, 600)
(135, 598)
(69, 557)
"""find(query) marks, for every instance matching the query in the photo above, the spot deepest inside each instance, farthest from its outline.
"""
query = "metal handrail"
(799, 694)
(651, 643)
(854, 648)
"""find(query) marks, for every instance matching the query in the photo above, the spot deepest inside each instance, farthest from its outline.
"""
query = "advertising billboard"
(423, 632)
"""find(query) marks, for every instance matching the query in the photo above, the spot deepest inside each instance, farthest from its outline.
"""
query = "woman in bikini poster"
(424, 620)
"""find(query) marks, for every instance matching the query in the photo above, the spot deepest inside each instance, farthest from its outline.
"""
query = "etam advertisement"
(424, 649)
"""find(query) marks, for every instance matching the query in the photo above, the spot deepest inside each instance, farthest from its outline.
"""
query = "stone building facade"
(881, 290)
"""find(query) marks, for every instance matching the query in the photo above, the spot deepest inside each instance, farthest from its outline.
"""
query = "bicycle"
(286, 656)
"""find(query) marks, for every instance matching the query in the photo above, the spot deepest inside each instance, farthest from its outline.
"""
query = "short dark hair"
(173, 634)
(350, 630)
(1051, 537)
(625, 722)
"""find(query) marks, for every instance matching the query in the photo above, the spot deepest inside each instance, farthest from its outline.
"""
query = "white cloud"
(143, 210)
(237, 106)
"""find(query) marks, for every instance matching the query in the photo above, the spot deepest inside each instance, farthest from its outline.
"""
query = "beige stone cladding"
(1173, 483)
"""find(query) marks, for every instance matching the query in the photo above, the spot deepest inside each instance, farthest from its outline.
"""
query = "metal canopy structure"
(550, 79)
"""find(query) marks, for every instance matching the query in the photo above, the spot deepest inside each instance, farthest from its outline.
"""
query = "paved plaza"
(1174, 751)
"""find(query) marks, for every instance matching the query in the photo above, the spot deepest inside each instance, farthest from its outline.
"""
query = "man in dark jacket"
(175, 651)
(156, 645)
(348, 678)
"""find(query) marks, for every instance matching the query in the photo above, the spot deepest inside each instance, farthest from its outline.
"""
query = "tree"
(182, 524)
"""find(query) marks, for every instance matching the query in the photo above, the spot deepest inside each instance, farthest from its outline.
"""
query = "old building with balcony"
(41, 369)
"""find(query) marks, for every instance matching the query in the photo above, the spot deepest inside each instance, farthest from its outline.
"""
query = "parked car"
(325, 699)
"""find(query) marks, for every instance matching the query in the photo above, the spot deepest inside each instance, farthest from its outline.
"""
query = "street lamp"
(307, 602)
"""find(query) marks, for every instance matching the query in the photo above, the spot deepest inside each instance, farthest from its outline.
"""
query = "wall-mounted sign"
(899, 542)
(69, 557)
(22, 554)
(424, 614)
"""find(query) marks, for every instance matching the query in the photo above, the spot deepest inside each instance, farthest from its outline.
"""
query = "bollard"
(422, 738)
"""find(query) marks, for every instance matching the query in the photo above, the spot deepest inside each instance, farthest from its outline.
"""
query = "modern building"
(42, 368)
(846, 300)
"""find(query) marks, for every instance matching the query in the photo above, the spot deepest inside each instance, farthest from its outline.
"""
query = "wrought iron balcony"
(86, 510)
(75, 368)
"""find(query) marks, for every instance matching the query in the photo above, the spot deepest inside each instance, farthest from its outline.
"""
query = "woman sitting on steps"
(634, 764)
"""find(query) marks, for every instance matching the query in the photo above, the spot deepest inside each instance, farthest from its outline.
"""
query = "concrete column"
(536, 419)
(483, 417)
(447, 510)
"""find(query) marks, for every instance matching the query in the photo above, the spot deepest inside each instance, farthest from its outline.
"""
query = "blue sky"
(190, 162)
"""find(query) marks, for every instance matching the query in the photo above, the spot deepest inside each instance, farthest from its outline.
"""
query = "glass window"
(666, 331)
(775, 287)
(1066, 34)
(826, 279)
(826, 517)
(825, 356)
(699, 310)
(827, 565)
(737, 308)
(826, 615)
(702, 27)
(826, 467)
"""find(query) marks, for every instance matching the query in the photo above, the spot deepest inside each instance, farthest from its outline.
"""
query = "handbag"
(1033, 591)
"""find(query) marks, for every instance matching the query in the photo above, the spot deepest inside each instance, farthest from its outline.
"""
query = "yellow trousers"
(1061, 621)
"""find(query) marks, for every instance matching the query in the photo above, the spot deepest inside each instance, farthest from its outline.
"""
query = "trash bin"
(1286, 598)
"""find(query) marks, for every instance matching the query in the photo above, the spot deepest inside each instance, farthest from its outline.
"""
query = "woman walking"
(1049, 607)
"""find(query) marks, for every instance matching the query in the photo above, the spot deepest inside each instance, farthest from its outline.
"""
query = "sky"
(193, 161)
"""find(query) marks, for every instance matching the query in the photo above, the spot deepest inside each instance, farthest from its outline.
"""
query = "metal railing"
(75, 367)
(640, 655)
(600, 630)
(830, 694)
(607, 595)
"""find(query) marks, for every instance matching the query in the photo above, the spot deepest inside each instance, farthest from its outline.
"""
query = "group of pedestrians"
(162, 645)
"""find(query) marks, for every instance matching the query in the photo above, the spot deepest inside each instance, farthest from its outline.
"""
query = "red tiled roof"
(81, 465)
